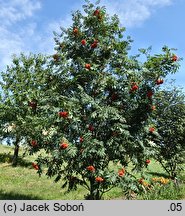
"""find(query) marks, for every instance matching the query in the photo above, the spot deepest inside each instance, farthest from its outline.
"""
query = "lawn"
(23, 183)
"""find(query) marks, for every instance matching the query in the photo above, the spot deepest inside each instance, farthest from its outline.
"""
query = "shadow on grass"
(158, 174)
(7, 158)
(16, 196)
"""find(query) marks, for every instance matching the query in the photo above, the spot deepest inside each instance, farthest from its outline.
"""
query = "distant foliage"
(170, 121)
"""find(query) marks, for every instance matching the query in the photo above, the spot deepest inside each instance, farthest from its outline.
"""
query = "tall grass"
(166, 192)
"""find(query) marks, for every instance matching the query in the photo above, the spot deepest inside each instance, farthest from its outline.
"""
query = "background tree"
(170, 121)
(22, 85)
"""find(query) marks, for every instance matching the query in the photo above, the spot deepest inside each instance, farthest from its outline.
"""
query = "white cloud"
(14, 35)
(16, 38)
(16, 10)
(64, 22)
(48, 43)
(10, 43)
(20, 33)
(134, 12)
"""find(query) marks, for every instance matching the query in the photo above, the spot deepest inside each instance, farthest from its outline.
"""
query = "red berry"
(35, 166)
(121, 172)
(83, 42)
(63, 114)
(75, 31)
(159, 81)
(174, 58)
(99, 179)
(64, 145)
(149, 94)
(91, 168)
(94, 45)
(81, 139)
(151, 129)
(33, 104)
(147, 161)
(88, 66)
(134, 87)
(34, 143)
(96, 12)
(91, 128)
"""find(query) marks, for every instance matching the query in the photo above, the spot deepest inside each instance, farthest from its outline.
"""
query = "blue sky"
(27, 25)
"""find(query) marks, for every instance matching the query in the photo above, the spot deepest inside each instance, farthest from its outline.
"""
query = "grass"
(23, 183)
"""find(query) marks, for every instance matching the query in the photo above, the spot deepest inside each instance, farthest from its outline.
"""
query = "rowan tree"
(103, 104)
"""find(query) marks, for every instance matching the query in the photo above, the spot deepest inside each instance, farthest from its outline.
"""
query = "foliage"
(22, 86)
(170, 121)
(90, 106)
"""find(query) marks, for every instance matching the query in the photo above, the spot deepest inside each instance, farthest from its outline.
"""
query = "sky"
(28, 25)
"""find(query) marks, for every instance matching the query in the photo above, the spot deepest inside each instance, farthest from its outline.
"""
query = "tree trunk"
(16, 153)
(94, 191)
